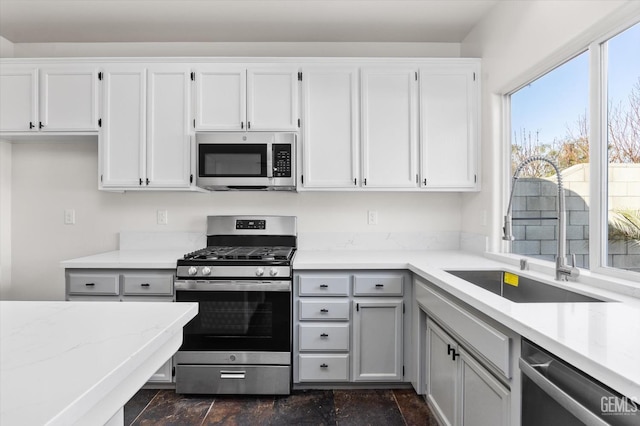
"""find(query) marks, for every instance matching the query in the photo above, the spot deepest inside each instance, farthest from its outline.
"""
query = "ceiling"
(41, 21)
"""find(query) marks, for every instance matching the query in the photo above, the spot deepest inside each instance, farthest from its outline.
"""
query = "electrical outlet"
(69, 217)
(163, 217)
(372, 217)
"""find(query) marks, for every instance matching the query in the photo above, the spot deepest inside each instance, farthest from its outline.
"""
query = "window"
(550, 118)
(622, 61)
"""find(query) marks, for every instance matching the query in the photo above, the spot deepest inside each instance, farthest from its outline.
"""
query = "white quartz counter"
(128, 259)
(602, 339)
(65, 363)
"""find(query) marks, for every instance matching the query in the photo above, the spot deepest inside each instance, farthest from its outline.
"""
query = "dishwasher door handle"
(560, 396)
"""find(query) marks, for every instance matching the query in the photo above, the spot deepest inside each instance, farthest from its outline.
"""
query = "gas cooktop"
(222, 253)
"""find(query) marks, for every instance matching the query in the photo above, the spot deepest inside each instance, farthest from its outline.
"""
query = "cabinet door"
(449, 126)
(272, 101)
(168, 146)
(69, 99)
(18, 99)
(377, 345)
(330, 127)
(484, 400)
(442, 374)
(221, 98)
(389, 128)
(123, 135)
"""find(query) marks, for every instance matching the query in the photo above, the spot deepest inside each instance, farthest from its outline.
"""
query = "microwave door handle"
(270, 161)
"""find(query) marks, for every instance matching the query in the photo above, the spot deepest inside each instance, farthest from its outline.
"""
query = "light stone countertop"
(66, 363)
(602, 339)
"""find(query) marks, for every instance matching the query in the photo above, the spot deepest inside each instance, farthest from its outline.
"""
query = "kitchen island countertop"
(65, 363)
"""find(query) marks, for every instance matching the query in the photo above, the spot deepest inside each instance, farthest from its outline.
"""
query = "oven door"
(237, 316)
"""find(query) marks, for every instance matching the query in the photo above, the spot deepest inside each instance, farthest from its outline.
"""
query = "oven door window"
(238, 320)
(232, 160)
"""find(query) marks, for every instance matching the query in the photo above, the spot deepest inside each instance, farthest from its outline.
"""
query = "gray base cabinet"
(459, 389)
(349, 327)
(123, 286)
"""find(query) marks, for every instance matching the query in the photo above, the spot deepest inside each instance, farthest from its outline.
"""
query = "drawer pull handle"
(90, 284)
(324, 366)
(233, 374)
(324, 310)
(324, 335)
(324, 286)
(145, 285)
(379, 285)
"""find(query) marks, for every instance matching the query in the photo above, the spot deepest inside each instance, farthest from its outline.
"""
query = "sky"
(555, 101)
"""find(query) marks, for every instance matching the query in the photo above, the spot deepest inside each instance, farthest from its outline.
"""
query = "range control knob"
(193, 270)
(260, 272)
(273, 272)
(206, 270)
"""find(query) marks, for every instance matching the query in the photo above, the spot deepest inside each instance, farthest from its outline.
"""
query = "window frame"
(594, 42)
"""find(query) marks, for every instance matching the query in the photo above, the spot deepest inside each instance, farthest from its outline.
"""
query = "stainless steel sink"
(526, 291)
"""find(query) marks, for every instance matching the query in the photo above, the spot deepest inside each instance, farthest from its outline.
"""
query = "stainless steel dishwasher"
(555, 393)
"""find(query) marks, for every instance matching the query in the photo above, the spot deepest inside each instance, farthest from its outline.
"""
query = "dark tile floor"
(312, 407)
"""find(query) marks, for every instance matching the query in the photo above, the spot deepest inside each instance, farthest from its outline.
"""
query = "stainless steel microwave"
(246, 161)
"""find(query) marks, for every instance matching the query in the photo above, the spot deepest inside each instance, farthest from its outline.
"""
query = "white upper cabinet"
(389, 128)
(55, 98)
(449, 112)
(272, 98)
(232, 97)
(123, 136)
(68, 99)
(18, 98)
(168, 133)
(145, 139)
(221, 97)
(330, 127)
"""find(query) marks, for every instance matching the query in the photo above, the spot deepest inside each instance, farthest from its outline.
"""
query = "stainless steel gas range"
(240, 341)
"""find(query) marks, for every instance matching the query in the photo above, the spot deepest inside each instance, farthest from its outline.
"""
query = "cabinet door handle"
(450, 349)
(145, 285)
(455, 355)
(242, 124)
(324, 366)
(41, 125)
(31, 125)
(141, 181)
(324, 286)
(379, 285)
(424, 182)
(90, 284)
(248, 124)
(147, 181)
(324, 335)
(324, 310)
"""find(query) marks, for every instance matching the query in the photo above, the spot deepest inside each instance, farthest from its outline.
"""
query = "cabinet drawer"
(327, 285)
(377, 285)
(148, 283)
(323, 337)
(87, 283)
(328, 309)
(323, 368)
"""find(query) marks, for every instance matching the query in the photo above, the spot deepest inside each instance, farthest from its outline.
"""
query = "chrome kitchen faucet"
(563, 270)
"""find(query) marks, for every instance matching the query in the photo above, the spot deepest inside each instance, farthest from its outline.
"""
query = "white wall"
(517, 42)
(43, 50)
(5, 217)
(6, 48)
(48, 178)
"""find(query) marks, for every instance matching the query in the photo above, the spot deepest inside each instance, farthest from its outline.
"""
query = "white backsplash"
(185, 241)
(446, 240)
(475, 243)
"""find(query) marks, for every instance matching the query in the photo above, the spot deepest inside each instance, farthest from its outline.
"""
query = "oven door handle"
(214, 285)
(233, 374)
(561, 397)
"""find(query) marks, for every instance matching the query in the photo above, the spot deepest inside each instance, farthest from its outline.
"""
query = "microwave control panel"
(281, 160)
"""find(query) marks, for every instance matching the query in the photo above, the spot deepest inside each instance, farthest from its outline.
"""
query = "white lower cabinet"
(104, 285)
(349, 326)
(459, 389)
